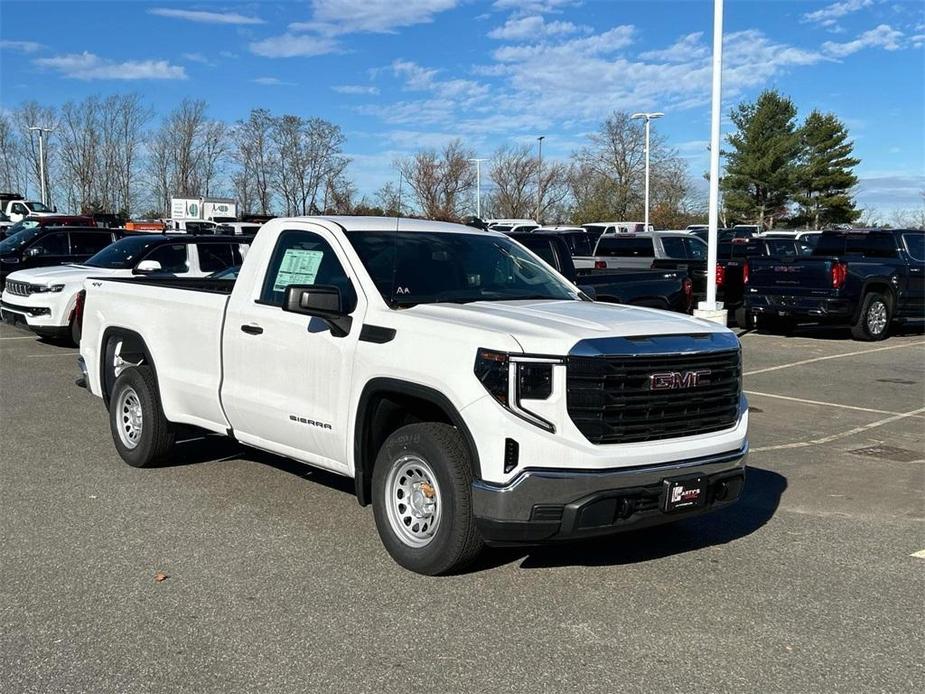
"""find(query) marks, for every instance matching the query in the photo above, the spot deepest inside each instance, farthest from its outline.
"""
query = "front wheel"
(141, 433)
(422, 499)
(873, 321)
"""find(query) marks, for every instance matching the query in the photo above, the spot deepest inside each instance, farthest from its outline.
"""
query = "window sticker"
(298, 267)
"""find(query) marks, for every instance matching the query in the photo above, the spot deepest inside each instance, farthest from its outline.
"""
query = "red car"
(55, 220)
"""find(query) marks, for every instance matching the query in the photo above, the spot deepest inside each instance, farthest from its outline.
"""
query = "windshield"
(434, 267)
(38, 207)
(19, 239)
(123, 254)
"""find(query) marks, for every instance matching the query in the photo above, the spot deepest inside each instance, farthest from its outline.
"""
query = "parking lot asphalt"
(276, 579)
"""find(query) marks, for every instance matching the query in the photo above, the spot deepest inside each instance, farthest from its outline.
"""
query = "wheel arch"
(138, 346)
(385, 404)
(880, 285)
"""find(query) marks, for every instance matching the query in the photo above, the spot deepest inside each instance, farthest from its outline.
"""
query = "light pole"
(713, 233)
(649, 117)
(478, 186)
(42, 132)
(539, 182)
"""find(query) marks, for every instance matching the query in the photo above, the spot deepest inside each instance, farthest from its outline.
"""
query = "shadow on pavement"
(756, 507)
(843, 333)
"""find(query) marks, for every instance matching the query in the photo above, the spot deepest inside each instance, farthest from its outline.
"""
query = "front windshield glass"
(38, 207)
(432, 267)
(16, 241)
(123, 254)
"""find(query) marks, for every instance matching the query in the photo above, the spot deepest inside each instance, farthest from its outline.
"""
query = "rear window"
(625, 247)
(870, 245)
(674, 247)
(217, 256)
(782, 247)
(915, 245)
(89, 242)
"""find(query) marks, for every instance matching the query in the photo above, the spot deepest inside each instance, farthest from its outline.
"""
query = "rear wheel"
(776, 325)
(745, 319)
(873, 321)
(422, 499)
(141, 433)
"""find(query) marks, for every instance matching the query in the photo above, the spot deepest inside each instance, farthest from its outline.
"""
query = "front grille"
(18, 288)
(610, 398)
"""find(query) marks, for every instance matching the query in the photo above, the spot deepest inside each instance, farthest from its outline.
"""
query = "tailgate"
(784, 275)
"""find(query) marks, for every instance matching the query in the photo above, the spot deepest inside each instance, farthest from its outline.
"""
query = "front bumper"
(543, 505)
(808, 307)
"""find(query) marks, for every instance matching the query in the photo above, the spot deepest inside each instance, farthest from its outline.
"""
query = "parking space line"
(919, 555)
(57, 354)
(832, 356)
(24, 337)
(833, 437)
(824, 404)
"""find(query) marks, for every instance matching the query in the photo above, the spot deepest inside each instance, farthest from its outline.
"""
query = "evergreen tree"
(760, 169)
(824, 176)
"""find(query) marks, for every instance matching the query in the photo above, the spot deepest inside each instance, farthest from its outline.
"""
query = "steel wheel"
(876, 317)
(412, 501)
(130, 420)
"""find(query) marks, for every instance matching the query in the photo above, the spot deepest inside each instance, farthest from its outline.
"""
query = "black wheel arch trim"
(878, 285)
(364, 458)
(110, 332)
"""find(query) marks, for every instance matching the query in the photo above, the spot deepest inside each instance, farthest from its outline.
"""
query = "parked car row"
(43, 269)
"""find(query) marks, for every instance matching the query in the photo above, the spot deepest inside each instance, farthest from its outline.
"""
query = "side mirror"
(322, 301)
(146, 266)
(33, 252)
(589, 290)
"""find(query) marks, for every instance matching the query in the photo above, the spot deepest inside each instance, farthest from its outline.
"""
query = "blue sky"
(400, 74)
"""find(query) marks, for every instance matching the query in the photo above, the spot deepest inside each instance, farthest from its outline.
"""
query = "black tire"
(775, 325)
(75, 329)
(155, 439)
(744, 318)
(456, 541)
(874, 318)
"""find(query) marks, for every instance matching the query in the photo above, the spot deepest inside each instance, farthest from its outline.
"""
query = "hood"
(61, 274)
(553, 327)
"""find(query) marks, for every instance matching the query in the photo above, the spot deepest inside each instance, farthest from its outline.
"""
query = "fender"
(879, 281)
(103, 357)
(362, 465)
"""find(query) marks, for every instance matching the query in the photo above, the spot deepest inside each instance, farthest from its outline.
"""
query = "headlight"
(42, 289)
(510, 378)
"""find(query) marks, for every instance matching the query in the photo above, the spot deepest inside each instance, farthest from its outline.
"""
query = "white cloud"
(334, 17)
(599, 44)
(355, 89)
(532, 27)
(21, 46)
(687, 48)
(418, 78)
(292, 45)
(197, 58)
(829, 15)
(205, 17)
(272, 82)
(883, 36)
(88, 66)
(533, 6)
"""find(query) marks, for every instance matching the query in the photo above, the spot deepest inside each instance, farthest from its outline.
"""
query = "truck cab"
(18, 210)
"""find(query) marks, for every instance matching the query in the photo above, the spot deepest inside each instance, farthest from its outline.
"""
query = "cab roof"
(405, 224)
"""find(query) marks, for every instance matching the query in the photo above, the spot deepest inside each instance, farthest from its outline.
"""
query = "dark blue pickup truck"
(865, 278)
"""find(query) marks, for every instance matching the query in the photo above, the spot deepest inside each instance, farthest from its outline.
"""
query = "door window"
(89, 242)
(19, 208)
(172, 258)
(695, 248)
(674, 247)
(302, 257)
(217, 256)
(51, 244)
(915, 246)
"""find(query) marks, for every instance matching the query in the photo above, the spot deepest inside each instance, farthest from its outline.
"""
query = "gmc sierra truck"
(864, 278)
(473, 394)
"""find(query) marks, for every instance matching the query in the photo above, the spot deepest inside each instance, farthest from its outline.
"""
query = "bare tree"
(252, 154)
(30, 114)
(14, 175)
(389, 198)
(513, 171)
(441, 182)
(213, 149)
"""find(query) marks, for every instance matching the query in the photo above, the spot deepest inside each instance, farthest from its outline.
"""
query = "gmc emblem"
(676, 380)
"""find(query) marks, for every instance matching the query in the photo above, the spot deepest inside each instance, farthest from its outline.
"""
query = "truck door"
(914, 244)
(18, 211)
(287, 379)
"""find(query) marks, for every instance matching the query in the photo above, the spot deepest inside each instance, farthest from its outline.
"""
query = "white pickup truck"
(17, 210)
(473, 394)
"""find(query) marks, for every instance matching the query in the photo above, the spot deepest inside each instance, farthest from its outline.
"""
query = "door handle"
(252, 329)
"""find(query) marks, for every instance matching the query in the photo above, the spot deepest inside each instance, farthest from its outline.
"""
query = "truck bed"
(192, 284)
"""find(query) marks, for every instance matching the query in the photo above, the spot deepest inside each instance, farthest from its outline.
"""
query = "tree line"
(109, 155)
